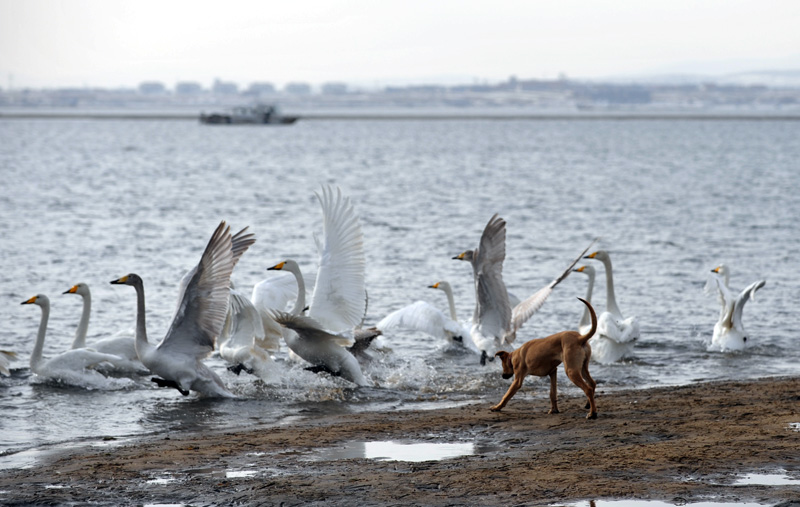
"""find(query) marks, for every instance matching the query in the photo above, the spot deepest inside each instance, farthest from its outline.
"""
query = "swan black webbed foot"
(237, 369)
(321, 368)
(169, 383)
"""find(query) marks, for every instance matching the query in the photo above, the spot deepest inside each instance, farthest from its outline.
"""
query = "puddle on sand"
(779, 479)
(240, 474)
(396, 451)
(652, 503)
(161, 480)
(794, 426)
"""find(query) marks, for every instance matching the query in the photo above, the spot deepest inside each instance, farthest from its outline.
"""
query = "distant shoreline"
(388, 116)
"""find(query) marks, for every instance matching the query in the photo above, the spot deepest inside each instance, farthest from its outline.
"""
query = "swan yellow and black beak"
(715, 270)
(72, 290)
(580, 269)
(120, 281)
(460, 256)
(29, 301)
(434, 286)
(591, 255)
(277, 266)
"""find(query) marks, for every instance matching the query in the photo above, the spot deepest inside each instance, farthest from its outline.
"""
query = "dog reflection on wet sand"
(542, 356)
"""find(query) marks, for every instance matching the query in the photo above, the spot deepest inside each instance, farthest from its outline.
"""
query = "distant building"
(298, 88)
(334, 89)
(260, 88)
(225, 87)
(152, 88)
(188, 88)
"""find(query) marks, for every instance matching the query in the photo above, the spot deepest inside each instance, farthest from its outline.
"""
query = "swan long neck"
(36, 356)
(611, 300)
(300, 302)
(141, 343)
(450, 300)
(83, 325)
(586, 319)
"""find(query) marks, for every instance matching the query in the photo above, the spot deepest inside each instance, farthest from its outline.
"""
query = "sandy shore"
(676, 444)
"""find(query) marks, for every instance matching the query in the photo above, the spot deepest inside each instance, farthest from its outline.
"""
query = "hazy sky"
(110, 43)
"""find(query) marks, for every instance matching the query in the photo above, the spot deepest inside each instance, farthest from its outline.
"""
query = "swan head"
(288, 265)
(440, 285)
(80, 289)
(586, 270)
(465, 256)
(723, 271)
(39, 300)
(600, 255)
(131, 279)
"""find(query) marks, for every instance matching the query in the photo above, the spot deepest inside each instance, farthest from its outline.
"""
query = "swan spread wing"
(525, 310)
(243, 324)
(339, 298)
(746, 295)
(308, 328)
(492, 310)
(422, 317)
(203, 304)
(274, 292)
(5, 359)
(240, 242)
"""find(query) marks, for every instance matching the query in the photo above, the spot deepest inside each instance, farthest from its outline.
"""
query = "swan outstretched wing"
(525, 310)
(240, 242)
(492, 310)
(274, 292)
(746, 295)
(421, 317)
(716, 285)
(243, 323)
(308, 328)
(5, 358)
(339, 299)
(203, 303)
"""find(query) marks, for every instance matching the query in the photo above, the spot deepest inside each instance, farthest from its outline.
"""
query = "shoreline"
(403, 116)
(676, 444)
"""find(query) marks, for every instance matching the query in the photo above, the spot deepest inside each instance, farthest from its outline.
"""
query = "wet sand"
(675, 444)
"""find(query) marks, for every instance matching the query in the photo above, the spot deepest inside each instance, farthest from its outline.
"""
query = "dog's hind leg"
(588, 378)
(553, 392)
(577, 379)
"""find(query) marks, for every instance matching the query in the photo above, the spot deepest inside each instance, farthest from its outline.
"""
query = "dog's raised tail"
(585, 338)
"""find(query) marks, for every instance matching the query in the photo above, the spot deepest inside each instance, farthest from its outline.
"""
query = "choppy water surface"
(93, 200)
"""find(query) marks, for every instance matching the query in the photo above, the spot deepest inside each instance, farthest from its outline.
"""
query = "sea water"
(90, 201)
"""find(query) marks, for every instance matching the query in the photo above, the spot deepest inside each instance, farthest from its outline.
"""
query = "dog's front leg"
(553, 393)
(510, 393)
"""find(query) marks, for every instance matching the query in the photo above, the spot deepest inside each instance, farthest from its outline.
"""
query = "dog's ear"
(501, 354)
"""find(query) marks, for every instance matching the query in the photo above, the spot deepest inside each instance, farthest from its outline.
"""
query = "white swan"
(729, 333)
(604, 350)
(494, 322)
(71, 366)
(339, 300)
(273, 292)
(423, 317)
(198, 320)
(242, 336)
(586, 319)
(5, 361)
(615, 334)
(121, 344)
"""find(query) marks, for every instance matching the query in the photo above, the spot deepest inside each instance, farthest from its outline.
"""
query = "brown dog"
(542, 356)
